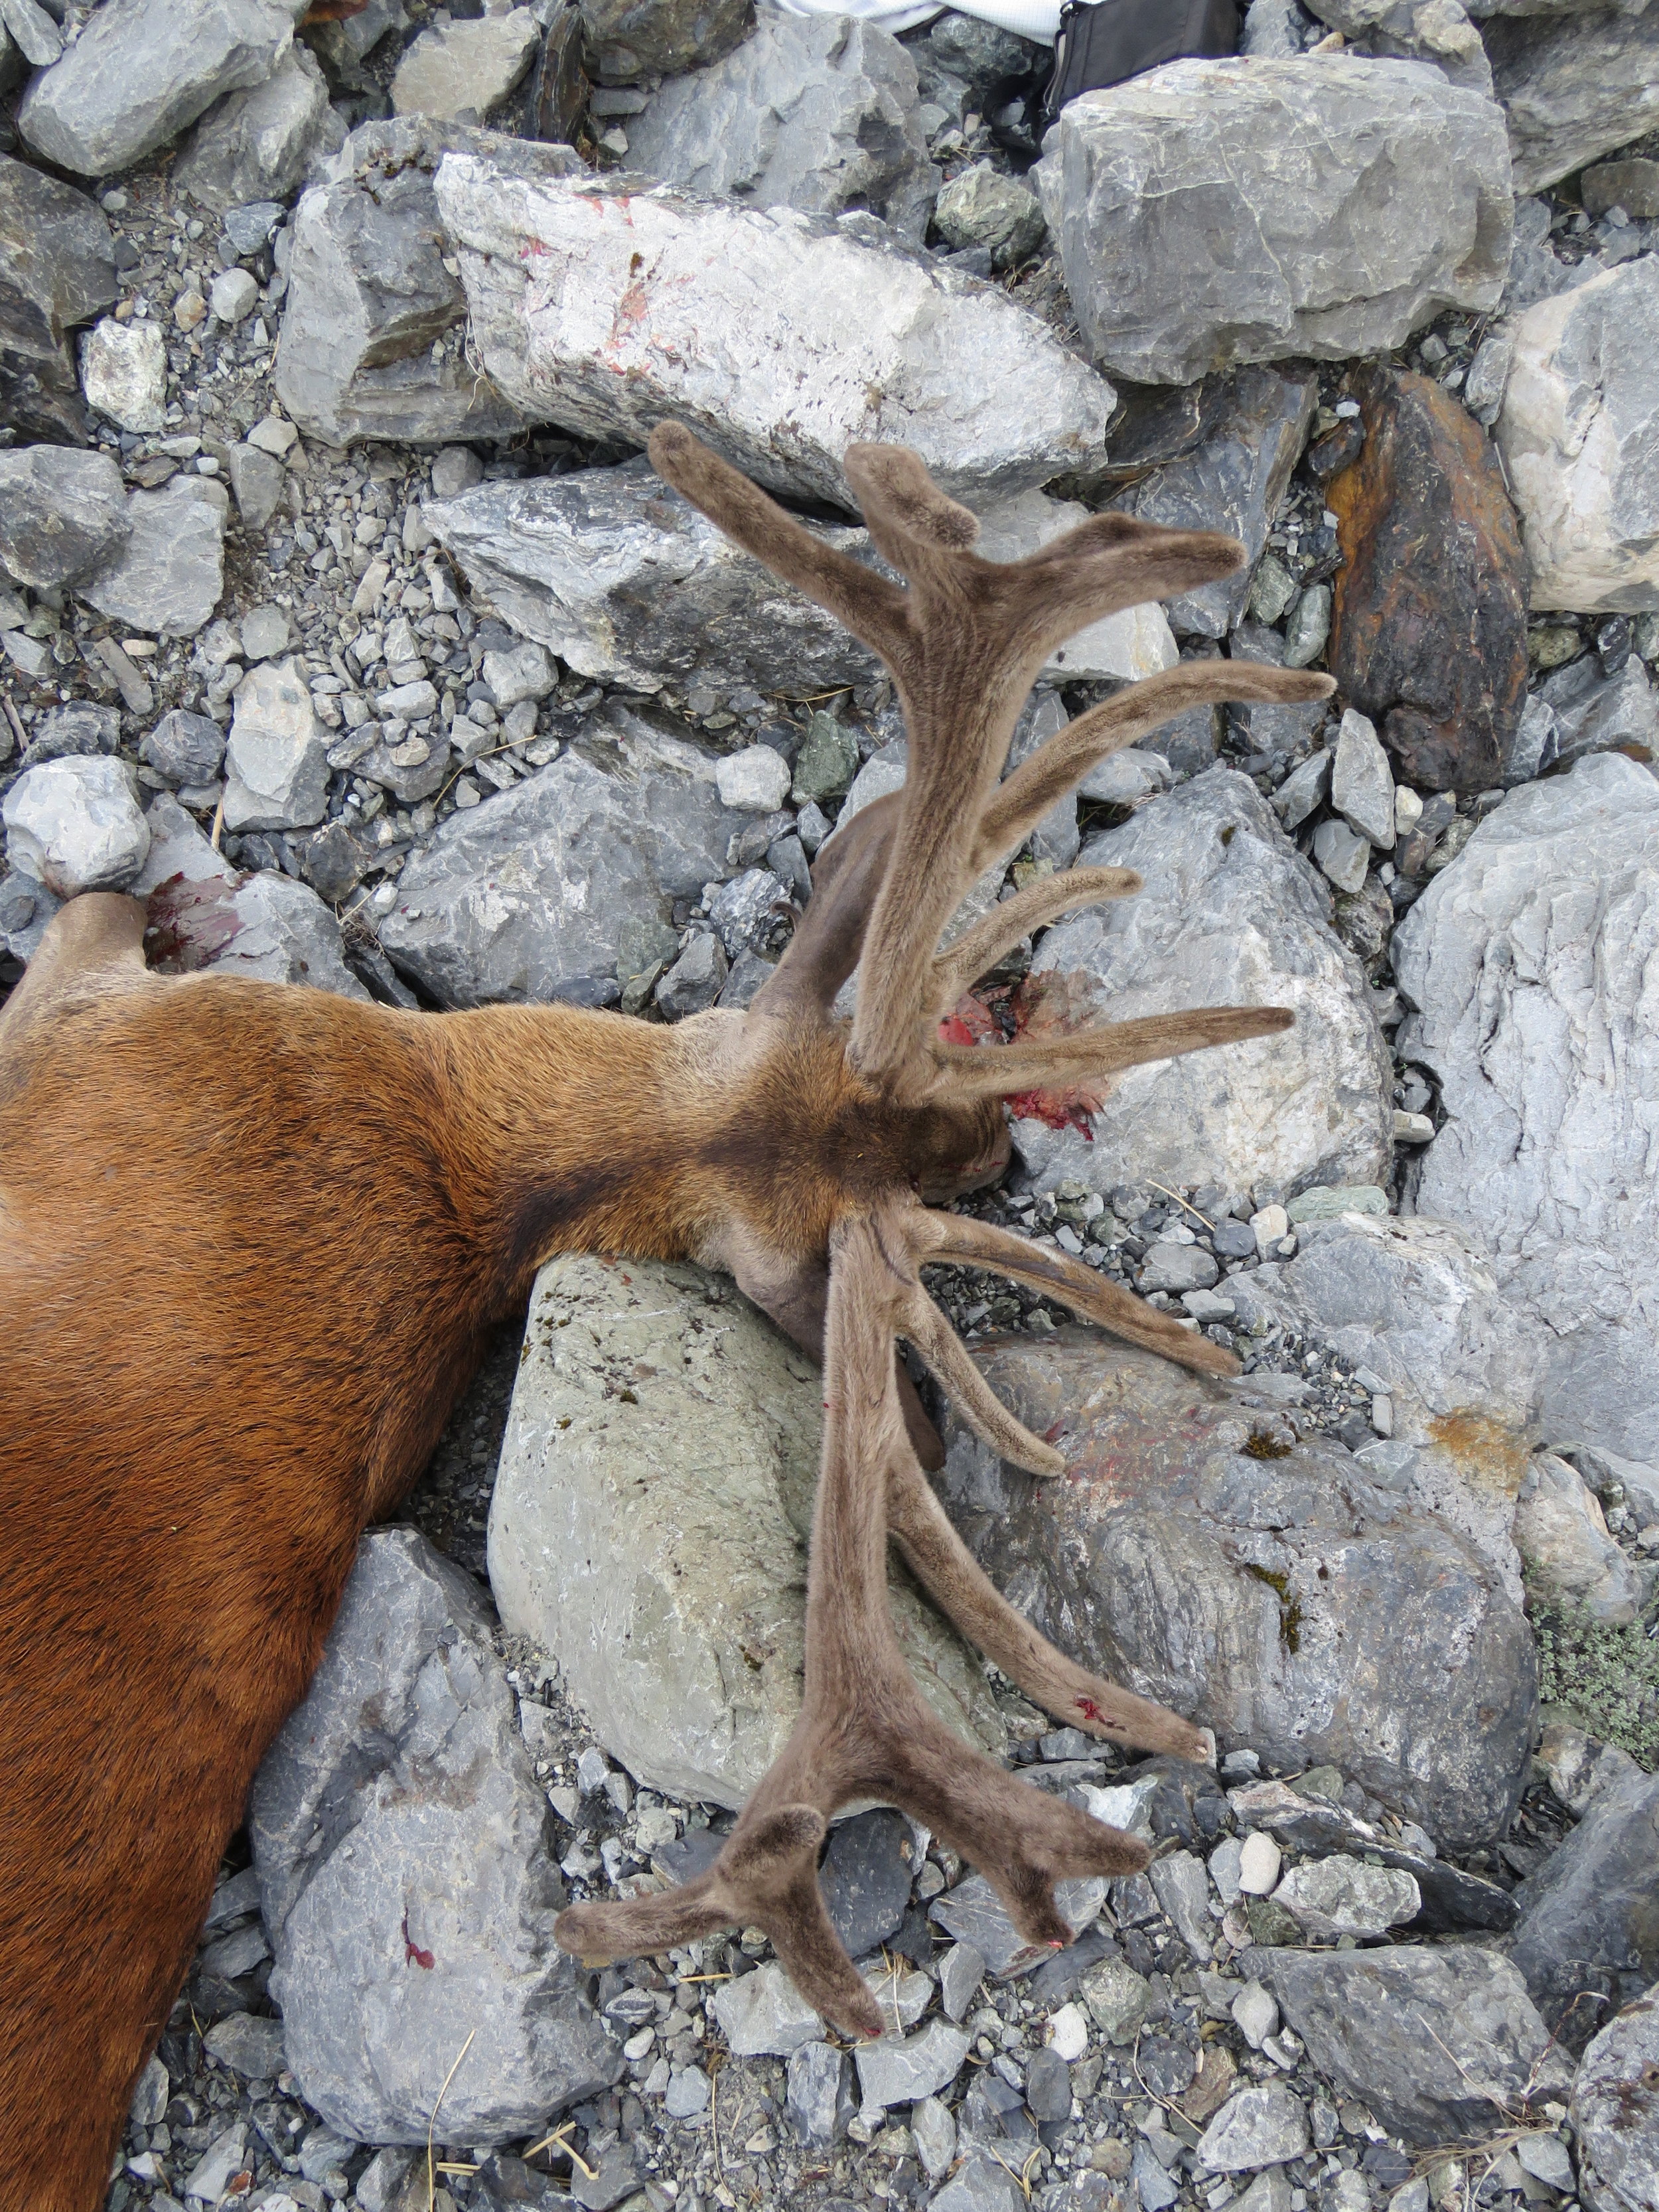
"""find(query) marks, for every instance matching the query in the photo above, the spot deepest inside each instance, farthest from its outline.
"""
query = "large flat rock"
(1231, 916)
(1220, 211)
(605, 304)
(648, 1527)
(1196, 1550)
(1530, 960)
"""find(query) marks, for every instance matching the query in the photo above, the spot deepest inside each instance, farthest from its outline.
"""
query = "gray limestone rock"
(1221, 211)
(462, 71)
(77, 726)
(525, 900)
(1274, 732)
(981, 2183)
(1221, 464)
(1615, 2113)
(1438, 32)
(1417, 1302)
(625, 580)
(261, 143)
(166, 577)
(763, 2014)
(258, 480)
(60, 513)
(695, 980)
(1530, 959)
(345, 45)
(655, 1546)
(401, 1839)
(1573, 86)
(819, 2098)
(812, 111)
(124, 373)
(1437, 2043)
(1561, 1533)
(1589, 1938)
(1362, 782)
(981, 206)
(902, 2070)
(250, 2046)
(1595, 713)
(32, 31)
(1285, 1601)
(184, 748)
(1231, 916)
(642, 303)
(1255, 2128)
(630, 39)
(276, 761)
(1579, 433)
(26, 907)
(1342, 1896)
(141, 70)
(74, 825)
(56, 270)
(369, 298)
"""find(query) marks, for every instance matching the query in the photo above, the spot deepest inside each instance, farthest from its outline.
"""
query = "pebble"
(755, 781)
(686, 2094)
(934, 2132)
(1117, 1997)
(1255, 2128)
(897, 2070)
(124, 373)
(1256, 2014)
(1261, 1858)
(1068, 2032)
(234, 295)
(762, 2014)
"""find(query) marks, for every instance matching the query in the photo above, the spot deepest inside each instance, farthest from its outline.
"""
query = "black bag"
(1102, 42)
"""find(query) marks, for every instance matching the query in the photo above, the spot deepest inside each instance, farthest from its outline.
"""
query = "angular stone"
(1136, 641)
(1430, 2040)
(934, 2130)
(1342, 856)
(655, 1548)
(1437, 32)
(819, 2098)
(400, 1836)
(625, 580)
(1231, 916)
(1255, 2128)
(1343, 1896)
(973, 1914)
(461, 72)
(742, 129)
(141, 70)
(1632, 186)
(123, 373)
(1615, 2113)
(1530, 960)
(866, 1879)
(258, 480)
(369, 298)
(276, 761)
(1303, 790)
(762, 2014)
(1593, 713)
(525, 672)
(1301, 171)
(695, 980)
(249, 2046)
(56, 270)
(1579, 433)
(1177, 1267)
(525, 900)
(259, 144)
(631, 39)
(184, 748)
(981, 206)
(1417, 1301)
(1284, 1599)
(74, 825)
(1573, 85)
(60, 513)
(1561, 1533)
(980, 2183)
(167, 577)
(1361, 788)
(1589, 1938)
(1223, 465)
(900, 2069)
(643, 304)
(1429, 637)
(754, 781)
(1183, 1891)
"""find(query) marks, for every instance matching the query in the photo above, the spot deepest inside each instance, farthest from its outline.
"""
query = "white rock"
(1562, 1533)
(1343, 1896)
(1256, 2014)
(1231, 916)
(462, 71)
(1579, 433)
(276, 760)
(1270, 1223)
(1068, 2033)
(1531, 959)
(233, 295)
(1125, 779)
(1224, 1862)
(1362, 785)
(638, 304)
(124, 373)
(1258, 1867)
(755, 780)
(74, 825)
(1255, 2128)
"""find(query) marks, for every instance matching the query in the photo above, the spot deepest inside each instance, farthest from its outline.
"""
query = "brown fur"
(251, 1238)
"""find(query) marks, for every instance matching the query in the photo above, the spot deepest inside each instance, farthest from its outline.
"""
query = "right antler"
(864, 1730)
(964, 642)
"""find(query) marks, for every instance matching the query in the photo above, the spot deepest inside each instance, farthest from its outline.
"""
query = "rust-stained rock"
(1199, 1550)
(1429, 635)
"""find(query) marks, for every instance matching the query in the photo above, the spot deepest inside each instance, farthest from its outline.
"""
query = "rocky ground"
(337, 605)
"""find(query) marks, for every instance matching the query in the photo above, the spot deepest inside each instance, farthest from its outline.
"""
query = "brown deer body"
(252, 1237)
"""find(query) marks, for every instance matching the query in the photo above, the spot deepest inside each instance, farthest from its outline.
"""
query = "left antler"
(864, 1730)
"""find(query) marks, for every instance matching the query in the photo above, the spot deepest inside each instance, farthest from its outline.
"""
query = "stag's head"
(837, 1118)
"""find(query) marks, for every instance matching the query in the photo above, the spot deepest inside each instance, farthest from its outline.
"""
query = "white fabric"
(1028, 18)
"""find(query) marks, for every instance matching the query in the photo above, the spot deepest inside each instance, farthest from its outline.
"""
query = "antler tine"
(1057, 767)
(984, 944)
(1005, 1071)
(871, 607)
(825, 951)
